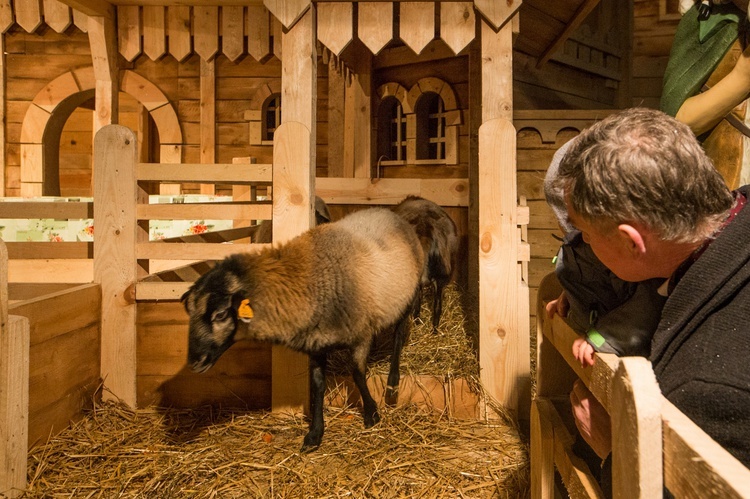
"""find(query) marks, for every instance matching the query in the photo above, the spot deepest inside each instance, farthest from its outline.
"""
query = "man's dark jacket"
(701, 349)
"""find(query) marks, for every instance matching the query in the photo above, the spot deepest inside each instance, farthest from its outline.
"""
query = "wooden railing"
(654, 445)
(40, 262)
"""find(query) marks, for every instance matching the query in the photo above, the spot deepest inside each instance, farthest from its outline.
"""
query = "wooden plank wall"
(31, 63)
(241, 378)
(652, 41)
(63, 375)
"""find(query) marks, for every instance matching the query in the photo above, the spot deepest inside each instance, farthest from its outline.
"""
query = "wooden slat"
(694, 463)
(191, 251)
(233, 31)
(203, 211)
(71, 271)
(335, 25)
(219, 173)
(358, 123)
(178, 31)
(219, 236)
(206, 31)
(636, 425)
(417, 24)
(154, 32)
(57, 15)
(115, 152)
(457, 24)
(445, 192)
(29, 14)
(497, 13)
(6, 15)
(161, 290)
(81, 20)
(36, 209)
(14, 405)
(129, 31)
(258, 32)
(287, 11)
(208, 118)
(44, 250)
(542, 449)
(375, 24)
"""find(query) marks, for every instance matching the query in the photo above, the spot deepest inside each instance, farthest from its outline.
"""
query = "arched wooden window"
(271, 115)
(391, 131)
(430, 111)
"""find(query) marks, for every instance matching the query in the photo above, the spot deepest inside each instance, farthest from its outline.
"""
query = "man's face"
(612, 247)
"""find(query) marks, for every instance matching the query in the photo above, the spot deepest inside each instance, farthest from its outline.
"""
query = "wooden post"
(115, 269)
(503, 335)
(293, 184)
(14, 391)
(208, 118)
(635, 409)
(542, 450)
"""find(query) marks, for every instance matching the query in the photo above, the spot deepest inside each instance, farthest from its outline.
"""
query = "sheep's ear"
(242, 307)
(184, 298)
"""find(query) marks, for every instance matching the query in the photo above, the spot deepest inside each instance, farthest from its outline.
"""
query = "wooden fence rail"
(688, 462)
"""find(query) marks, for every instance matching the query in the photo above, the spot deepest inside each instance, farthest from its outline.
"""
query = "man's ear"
(634, 238)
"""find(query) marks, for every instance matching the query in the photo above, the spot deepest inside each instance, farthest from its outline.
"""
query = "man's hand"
(583, 351)
(560, 306)
(591, 419)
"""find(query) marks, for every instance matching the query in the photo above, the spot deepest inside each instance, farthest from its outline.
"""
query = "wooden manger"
(654, 445)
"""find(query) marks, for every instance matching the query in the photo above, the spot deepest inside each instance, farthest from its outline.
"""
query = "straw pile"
(115, 452)
(118, 453)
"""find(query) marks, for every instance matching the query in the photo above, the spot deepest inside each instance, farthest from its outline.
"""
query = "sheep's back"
(375, 257)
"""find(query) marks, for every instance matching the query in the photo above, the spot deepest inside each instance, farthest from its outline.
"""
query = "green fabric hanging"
(697, 49)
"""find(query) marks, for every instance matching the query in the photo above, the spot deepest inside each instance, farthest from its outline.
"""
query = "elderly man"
(651, 205)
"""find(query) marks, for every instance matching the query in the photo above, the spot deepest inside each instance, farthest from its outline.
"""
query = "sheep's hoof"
(391, 395)
(372, 420)
(311, 443)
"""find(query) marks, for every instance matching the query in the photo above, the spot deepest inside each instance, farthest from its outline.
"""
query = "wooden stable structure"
(654, 445)
(293, 97)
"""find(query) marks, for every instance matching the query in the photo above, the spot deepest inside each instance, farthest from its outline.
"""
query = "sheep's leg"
(437, 302)
(317, 390)
(394, 376)
(416, 303)
(369, 407)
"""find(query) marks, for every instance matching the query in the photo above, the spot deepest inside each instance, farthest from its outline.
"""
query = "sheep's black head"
(215, 306)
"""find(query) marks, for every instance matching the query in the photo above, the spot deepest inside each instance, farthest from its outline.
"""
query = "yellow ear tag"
(245, 312)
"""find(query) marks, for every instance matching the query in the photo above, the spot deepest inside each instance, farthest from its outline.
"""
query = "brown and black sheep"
(332, 287)
(439, 240)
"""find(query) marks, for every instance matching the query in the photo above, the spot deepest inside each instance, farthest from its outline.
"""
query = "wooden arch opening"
(53, 105)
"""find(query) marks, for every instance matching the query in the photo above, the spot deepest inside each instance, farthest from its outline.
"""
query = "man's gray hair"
(643, 166)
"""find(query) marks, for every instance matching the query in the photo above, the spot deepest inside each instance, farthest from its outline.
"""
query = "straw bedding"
(116, 452)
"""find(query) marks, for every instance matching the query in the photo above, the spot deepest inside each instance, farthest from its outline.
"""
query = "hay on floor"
(115, 452)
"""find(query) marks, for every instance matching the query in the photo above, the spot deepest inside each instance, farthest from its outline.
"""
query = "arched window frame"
(256, 114)
(391, 132)
(451, 115)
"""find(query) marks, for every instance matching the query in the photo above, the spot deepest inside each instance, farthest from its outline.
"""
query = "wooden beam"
(583, 11)
(103, 41)
(115, 151)
(101, 8)
(293, 185)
